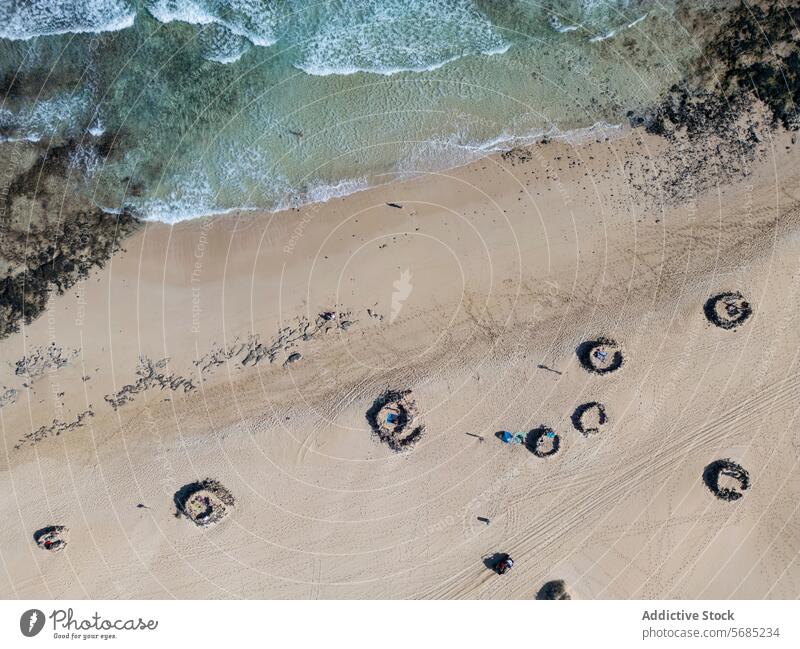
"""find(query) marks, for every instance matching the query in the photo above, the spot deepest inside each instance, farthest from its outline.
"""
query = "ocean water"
(212, 105)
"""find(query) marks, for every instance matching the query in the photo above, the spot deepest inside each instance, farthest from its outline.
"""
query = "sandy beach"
(248, 348)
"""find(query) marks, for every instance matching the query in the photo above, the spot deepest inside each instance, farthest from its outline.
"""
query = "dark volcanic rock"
(50, 236)
(745, 84)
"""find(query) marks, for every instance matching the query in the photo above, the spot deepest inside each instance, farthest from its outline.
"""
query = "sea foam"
(256, 21)
(391, 36)
(24, 21)
(43, 118)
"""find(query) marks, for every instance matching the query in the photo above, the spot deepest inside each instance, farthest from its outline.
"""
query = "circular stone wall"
(727, 310)
(204, 503)
(600, 356)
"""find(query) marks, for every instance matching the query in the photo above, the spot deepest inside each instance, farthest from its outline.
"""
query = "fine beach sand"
(482, 275)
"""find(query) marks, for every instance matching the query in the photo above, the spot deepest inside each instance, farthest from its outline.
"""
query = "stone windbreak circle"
(727, 310)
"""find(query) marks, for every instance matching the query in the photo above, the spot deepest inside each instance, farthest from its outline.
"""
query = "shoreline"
(352, 185)
(46, 253)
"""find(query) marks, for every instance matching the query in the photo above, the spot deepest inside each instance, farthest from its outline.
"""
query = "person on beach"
(504, 565)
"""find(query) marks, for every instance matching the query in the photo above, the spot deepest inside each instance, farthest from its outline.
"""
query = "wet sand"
(280, 331)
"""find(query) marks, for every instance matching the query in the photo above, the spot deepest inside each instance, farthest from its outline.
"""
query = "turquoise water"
(214, 105)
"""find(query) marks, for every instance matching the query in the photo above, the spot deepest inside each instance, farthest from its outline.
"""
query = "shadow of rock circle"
(391, 419)
(52, 538)
(599, 356)
(204, 503)
(589, 418)
(543, 441)
(722, 477)
(727, 310)
(555, 589)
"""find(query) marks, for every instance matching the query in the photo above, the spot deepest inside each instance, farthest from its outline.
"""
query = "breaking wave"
(26, 20)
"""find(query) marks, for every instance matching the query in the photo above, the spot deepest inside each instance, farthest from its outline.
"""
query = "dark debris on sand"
(41, 360)
(287, 341)
(152, 374)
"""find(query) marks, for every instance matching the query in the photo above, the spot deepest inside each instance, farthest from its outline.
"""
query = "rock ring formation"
(727, 310)
(555, 589)
(726, 479)
(543, 441)
(392, 419)
(599, 356)
(204, 503)
(590, 418)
